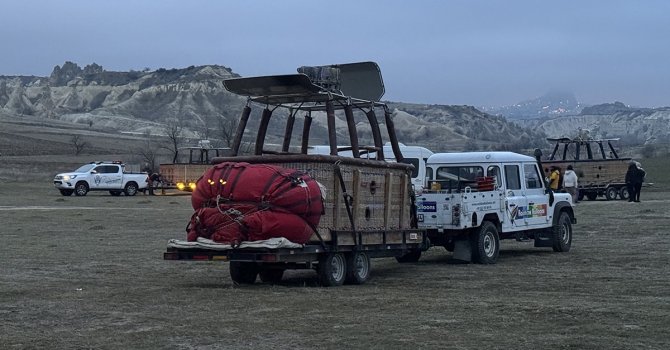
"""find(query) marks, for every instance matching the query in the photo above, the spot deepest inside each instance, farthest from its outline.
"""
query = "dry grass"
(87, 272)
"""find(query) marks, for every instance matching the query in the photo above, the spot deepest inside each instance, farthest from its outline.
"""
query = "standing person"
(631, 174)
(570, 183)
(638, 180)
(554, 178)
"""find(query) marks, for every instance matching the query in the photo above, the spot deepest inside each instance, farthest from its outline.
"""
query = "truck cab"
(476, 199)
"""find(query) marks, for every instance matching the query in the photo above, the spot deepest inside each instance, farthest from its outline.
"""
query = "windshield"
(85, 168)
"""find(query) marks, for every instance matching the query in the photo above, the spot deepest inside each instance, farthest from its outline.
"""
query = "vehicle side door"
(108, 177)
(538, 202)
(515, 199)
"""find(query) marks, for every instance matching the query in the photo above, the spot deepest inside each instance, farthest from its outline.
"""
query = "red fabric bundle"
(238, 202)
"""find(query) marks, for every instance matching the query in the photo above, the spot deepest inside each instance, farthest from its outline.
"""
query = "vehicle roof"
(478, 157)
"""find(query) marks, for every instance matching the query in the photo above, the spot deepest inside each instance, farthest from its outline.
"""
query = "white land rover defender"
(475, 199)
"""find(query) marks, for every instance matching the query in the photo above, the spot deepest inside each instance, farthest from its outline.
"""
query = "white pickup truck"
(101, 176)
(475, 199)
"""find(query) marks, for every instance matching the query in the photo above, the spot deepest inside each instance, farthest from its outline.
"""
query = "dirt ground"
(87, 272)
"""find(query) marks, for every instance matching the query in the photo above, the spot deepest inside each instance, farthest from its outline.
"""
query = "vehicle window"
(532, 176)
(415, 162)
(494, 171)
(512, 177)
(429, 173)
(85, 168)
(457, 178)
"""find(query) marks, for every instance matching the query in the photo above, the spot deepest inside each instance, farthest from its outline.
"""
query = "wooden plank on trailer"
(404, 195)
(388, 179)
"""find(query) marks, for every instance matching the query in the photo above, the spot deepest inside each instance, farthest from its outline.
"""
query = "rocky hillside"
(614, 120)
(194, 97)
(552, 104)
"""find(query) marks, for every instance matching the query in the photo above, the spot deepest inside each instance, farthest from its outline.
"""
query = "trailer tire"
(580, 195)
(332, 269)
(562, 233)
(270, 275)
(611, 193)
(358, 268)
(242, 272)
(592, 196)
(623, 193)
(485, 244)
(66, 193)
(410, 257)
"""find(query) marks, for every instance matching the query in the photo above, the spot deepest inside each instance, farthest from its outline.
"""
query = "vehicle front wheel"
(80, 189)
(358, 268)
(562, 233)
(611, 193)
(66, 193)
(410, 257)
(332, 269)
(131, 189)
(485, 244)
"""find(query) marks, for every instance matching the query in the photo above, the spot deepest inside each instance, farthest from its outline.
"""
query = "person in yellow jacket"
(555, 178)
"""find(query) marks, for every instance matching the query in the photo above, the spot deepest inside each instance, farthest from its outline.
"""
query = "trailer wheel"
(332, 269)
(592, 196)
(272, 276)
(358, 268)
(610, 193)
(410, 257)
(623, 193)
(562, 233)
(66, 193)
(580, 195)
(485, 244)
(242, 272)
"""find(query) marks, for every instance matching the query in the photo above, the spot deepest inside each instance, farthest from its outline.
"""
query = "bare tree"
(149, 152)
(226, 130)
(174, 132)
(78, 143)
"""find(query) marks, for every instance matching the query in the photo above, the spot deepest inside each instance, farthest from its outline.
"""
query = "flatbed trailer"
(334, 263)
(368, 203)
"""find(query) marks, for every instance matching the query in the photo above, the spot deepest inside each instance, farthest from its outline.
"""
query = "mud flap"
(462, 250)
(544, 239)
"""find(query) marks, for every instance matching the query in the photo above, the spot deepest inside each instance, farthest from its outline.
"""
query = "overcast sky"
(481, 53)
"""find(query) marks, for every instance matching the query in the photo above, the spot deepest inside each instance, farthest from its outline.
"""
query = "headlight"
(191, 185)
(69, 177)
(180, 186)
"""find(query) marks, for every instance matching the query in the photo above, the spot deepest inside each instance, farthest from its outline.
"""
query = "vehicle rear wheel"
(66, 192)
(270, 275)
(485, 244)
(80, 189)
(242, 272)
(623, 193)
(332, 269)
(358, 268)
(592, 196)
(611, 193)
(115, 193)
(562, 233)
(410, 257)
(131, 189)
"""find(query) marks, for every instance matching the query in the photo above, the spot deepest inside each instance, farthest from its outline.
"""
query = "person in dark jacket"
(634, 178)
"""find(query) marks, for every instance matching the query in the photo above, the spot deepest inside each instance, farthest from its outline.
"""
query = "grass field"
(87, 272)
